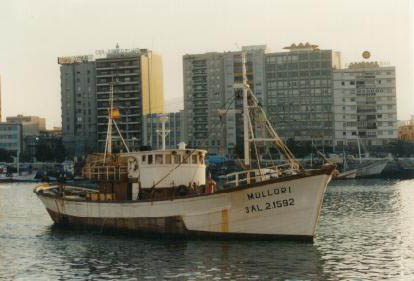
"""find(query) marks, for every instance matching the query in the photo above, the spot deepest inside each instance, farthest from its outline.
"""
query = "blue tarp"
(216, 159)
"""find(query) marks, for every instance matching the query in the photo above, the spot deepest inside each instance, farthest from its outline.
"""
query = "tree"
(59, 151)
(43, 152)
(6, 155)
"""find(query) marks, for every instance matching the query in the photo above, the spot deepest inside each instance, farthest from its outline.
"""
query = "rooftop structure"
(32, 125)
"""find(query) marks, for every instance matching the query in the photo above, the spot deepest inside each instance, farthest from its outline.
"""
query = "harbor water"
(365, 232)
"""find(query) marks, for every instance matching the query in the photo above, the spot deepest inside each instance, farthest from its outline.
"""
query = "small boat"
(371, 169)
(167, 192)
(350, 174)
(399, 168)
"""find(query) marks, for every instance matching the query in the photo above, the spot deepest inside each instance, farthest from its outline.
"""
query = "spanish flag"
(116, 114)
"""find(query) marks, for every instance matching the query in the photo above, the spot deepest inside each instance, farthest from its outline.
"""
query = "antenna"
(163, 132)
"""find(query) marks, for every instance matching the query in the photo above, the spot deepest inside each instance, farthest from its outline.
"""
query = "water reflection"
(107, 257)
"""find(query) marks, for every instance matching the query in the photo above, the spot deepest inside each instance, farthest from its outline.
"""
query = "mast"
(108, 144)
(248, 133)
(245, 112)
(359, 151)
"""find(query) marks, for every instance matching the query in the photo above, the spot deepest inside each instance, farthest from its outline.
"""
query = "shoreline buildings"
(304, 90)
(295, 87)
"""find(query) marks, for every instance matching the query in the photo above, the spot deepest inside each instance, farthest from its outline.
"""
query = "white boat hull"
(288, 208)
(372, 169)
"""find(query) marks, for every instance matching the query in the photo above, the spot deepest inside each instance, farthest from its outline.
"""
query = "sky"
(34, 33)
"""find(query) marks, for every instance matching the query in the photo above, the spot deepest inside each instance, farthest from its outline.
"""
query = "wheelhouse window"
(193, 159)
(158, 159)
(185, 159)
(177, 158)
(168, 159)
(149, 159)
(144, 158)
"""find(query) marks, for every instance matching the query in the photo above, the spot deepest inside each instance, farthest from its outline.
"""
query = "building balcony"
(102, 107)
(116, 91)
(108, 83)
(118, 98)
(135, 66)
(108, 75)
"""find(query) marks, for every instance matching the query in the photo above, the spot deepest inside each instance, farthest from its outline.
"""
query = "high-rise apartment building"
(211, 104)
(365, 104)
(136, 75)
(137, 90)
(78, 103)
(294, 87)
(299, 92)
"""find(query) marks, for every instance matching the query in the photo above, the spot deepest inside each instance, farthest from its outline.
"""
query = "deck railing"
(106, 173)
(256, 175)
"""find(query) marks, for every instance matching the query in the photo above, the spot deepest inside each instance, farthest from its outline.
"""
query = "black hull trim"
(168, 227)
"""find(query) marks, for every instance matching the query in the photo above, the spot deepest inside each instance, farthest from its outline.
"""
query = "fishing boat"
(369, 169)
(167, 191)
